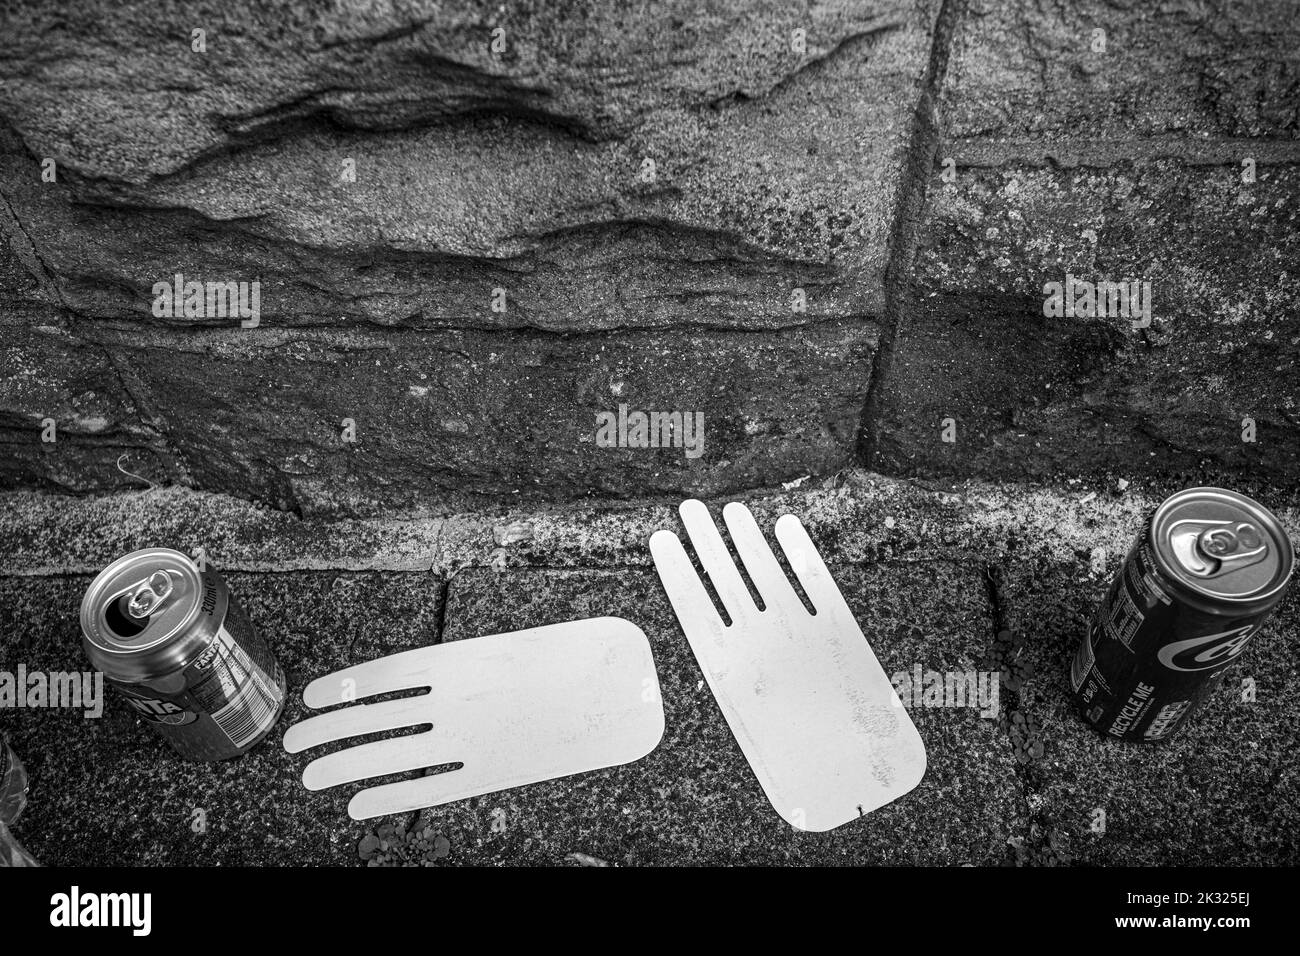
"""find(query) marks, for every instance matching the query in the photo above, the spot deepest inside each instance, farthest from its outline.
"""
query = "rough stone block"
(775, 160)
(1108, 142)
(1035, 395)
(55, 384)
(447, 417)
(1041, 75)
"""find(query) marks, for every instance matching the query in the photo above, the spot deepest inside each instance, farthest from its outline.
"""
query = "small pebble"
(512, 533)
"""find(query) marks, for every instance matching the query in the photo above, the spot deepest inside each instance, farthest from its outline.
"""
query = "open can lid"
(1223, 546)
(140, 603)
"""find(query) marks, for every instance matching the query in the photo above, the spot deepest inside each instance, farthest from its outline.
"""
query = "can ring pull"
(148, 595)
(1210, 548)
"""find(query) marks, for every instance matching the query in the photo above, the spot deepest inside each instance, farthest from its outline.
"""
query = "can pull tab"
(1208, 548)
(148, 595)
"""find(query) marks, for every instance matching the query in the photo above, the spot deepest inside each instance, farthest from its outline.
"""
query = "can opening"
(120, 622)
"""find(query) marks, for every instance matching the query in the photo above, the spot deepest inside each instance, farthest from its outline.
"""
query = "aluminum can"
(1204, 574)
(173, 640)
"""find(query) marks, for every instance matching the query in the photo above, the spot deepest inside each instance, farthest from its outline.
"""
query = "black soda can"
(1206, 571)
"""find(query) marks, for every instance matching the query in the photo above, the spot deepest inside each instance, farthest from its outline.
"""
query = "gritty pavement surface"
(110, 792)
(971, 576)
(694, 800)
(1225, 790)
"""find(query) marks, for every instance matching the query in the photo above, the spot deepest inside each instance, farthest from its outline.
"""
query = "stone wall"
(1163, 149)
(476, 227)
